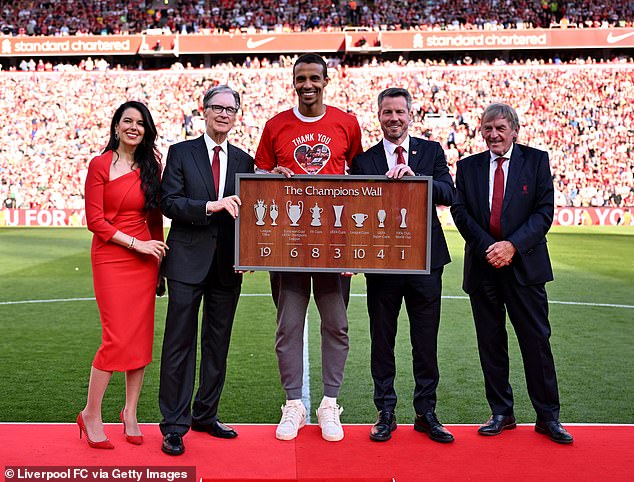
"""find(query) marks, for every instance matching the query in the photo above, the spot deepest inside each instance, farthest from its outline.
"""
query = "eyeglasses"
(217, 109)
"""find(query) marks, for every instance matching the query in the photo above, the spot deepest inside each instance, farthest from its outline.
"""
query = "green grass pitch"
(47, 347)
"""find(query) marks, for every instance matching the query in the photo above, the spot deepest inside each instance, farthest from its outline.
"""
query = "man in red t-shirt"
(311, 138)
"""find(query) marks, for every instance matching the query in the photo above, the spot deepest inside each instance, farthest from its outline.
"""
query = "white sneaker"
(328, 416)
(293, 418)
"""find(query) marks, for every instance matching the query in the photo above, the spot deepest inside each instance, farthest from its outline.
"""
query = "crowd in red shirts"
(63, 17)
(53, 123)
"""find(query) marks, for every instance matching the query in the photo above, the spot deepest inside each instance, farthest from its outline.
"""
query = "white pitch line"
(58, 300)
(361, 295)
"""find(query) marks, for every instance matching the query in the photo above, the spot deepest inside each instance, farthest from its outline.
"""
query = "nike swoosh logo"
(254, 44)
(612, 39)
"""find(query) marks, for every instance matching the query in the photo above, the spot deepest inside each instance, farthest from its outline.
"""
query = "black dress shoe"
(215, 429)
(496, 424)
(384, 426)
(173, 444)
(554, 430)
(429, 424)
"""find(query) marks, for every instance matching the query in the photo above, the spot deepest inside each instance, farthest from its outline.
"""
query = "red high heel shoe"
(104, 444)
(133, 439)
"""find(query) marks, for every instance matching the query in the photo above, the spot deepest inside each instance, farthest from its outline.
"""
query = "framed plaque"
(368, 224)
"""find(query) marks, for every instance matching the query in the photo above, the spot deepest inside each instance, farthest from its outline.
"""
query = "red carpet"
(600, 452)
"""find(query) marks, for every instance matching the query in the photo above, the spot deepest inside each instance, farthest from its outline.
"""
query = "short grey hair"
(395, 92)
(493, 111)
(219, 89)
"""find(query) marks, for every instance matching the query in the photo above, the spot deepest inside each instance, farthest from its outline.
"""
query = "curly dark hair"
(146, 155)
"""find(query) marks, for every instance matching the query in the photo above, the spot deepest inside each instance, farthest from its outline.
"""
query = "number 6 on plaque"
(294, 253)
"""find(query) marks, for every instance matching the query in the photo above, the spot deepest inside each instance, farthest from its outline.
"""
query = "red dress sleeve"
(96, 179)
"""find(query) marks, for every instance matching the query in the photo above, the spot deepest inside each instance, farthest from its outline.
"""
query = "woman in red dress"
(122, 196)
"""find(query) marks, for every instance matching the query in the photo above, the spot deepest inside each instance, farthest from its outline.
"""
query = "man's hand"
(231, 204)
(282, 170)
(399, 171)
(500, 254)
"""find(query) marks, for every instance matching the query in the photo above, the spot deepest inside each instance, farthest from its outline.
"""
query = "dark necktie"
(215, 168)
(495, 226)
(400, 159)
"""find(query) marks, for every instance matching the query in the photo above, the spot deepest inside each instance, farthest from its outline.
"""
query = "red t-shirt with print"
(324, 146)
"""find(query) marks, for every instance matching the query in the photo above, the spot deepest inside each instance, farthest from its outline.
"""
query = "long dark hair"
(146, 155)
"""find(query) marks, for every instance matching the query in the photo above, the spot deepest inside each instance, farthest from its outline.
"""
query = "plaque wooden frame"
(361, 224)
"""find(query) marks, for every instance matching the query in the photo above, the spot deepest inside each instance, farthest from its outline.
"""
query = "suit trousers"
(178, 360)
(528, 312)
(422, 295)
(291, 291)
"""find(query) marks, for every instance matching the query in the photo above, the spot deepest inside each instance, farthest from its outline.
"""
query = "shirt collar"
(507, 154)
(211, 144)
(391, 147)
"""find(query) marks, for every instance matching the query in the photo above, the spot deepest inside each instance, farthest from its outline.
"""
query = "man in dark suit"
(396, 156)
(503, 208)
(198, 195)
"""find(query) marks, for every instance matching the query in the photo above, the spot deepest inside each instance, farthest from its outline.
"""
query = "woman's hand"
(152, 247)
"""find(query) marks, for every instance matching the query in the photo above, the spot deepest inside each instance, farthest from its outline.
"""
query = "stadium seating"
(53, 123)
(112, 16)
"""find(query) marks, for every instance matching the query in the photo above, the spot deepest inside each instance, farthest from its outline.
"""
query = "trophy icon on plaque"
(273, 212)
(338, 210)
(403, 214)
(316, 212)
(381, 216)
(294, 211)
(260, 212)
(359, 219)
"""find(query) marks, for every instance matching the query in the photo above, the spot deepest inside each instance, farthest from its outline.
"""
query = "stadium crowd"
(54, 123)
(102, 17)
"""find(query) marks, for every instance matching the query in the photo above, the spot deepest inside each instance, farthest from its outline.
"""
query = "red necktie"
(399, 155)
(495, 225)
(215, 168)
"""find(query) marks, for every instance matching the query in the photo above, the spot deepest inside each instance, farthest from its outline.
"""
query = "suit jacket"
(426, 158)
(527, 214)
(195, 238)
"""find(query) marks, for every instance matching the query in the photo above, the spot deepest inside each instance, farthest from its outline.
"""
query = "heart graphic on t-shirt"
(312, 159)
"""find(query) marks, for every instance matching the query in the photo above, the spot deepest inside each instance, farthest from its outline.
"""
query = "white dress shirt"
(223, 161)
(390, 153)
(493, 164)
